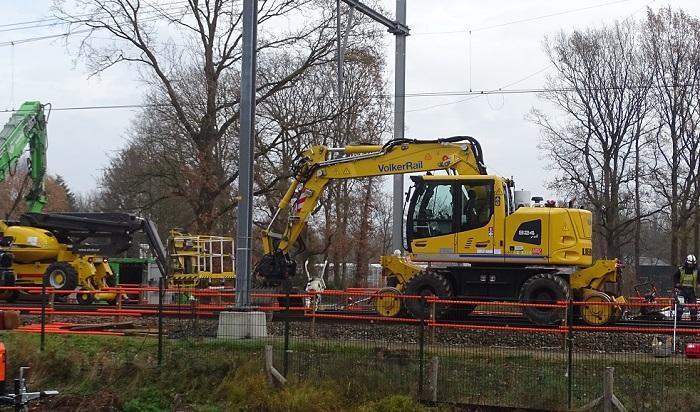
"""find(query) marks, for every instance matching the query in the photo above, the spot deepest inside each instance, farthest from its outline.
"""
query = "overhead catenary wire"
(54, 21)
(519, 21)
(57, 21)
(154, 17)
(501, 90)
(529, 76)
(472, 95)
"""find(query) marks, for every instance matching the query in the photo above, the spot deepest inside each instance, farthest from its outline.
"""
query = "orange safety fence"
(660, 329)
(61, 328)
(355, 304)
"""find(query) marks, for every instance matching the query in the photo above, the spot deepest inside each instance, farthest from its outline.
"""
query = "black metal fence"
(457, 352)
(493, 356)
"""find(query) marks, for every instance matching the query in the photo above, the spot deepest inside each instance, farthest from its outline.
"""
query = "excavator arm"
(105, 234)
(26, 128)
(321, 165)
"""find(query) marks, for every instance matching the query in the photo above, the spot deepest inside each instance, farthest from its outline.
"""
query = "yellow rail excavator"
(466, 239)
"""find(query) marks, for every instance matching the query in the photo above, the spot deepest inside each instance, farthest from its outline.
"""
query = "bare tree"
(188, 76)
(13, 190)
(601, 88)
(672, 43)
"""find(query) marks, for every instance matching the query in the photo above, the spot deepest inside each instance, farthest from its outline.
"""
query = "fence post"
(608, 389)
(119, 307)
(160, 321)
(195, 316)
(433, 319)
(570, 352)
(285, 365)
(43, 314)
(273, 375)
(433, 376)
(421, 352)
(52, 301)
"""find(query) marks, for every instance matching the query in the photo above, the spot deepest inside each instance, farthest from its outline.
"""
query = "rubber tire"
(69, 273)
(558, 290)
(427, 284)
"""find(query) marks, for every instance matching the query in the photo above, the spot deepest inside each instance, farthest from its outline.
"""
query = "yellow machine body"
(464, 235)
(531, 236)
(36, 250)
(200, 260)
(32, 244)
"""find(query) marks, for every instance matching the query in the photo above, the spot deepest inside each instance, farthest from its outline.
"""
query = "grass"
(106, 373)
(211, 375)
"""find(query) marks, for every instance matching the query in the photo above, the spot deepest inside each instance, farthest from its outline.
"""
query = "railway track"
(479, 319)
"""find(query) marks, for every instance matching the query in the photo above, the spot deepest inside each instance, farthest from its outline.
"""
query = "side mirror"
(6, 259)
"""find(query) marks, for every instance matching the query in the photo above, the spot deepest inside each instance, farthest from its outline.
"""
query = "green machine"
(131, 271)
(26, 128)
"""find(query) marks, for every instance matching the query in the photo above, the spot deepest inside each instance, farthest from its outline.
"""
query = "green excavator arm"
(26, 128)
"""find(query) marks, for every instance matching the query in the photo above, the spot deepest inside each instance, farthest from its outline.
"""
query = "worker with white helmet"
(686, 278)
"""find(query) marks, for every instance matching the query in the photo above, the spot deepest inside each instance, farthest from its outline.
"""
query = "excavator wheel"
(388, 306)
(61, 276)
(427, 284)
(545, 288)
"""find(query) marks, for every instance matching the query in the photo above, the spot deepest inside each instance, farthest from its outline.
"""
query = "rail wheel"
(428, 284)
(387, 306)
(545, 288)
(62, 276)
(85, 298)
(598, 309)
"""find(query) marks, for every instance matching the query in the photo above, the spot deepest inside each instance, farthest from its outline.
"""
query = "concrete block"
(242, 325)
(152, 298)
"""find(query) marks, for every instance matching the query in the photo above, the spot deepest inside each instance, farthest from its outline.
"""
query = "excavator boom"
(316, 168)
(114, 231)
(26, 128)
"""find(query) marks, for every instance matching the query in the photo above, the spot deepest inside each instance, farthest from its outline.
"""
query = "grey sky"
(81, 141)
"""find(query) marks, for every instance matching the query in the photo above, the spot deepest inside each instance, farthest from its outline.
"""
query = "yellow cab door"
(431, 220)
(479, 239)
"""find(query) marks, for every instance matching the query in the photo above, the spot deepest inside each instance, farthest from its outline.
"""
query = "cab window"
(510, 203)
(477, 205)
(433, 210)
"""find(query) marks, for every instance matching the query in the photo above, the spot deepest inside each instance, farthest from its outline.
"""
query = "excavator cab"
(472, 219)
(455, 218)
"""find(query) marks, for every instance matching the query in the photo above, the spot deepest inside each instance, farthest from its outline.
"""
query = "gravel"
(380, 333)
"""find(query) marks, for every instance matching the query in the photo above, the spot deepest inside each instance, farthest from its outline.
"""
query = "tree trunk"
(684, 233)
(696, 233)
(638, 213)
(361, 252)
